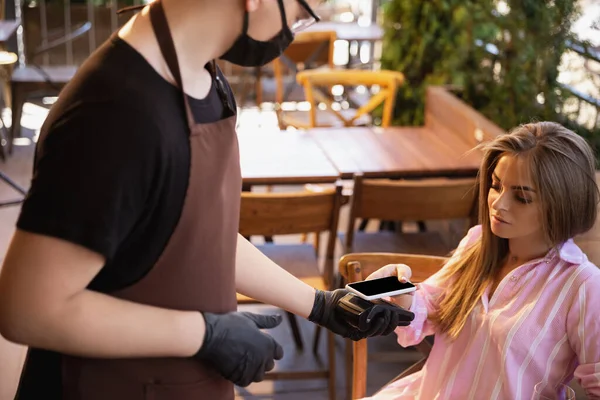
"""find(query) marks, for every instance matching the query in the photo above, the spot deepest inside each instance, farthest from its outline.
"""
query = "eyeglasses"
(307, 21)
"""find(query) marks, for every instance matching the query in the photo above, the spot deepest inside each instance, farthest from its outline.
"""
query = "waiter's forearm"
(260, 278)
(96, 325)
(44, 303)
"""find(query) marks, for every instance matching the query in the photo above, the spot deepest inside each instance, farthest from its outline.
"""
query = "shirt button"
(513, 278)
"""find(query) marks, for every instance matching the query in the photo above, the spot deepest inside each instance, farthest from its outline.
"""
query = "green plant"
(431, 42)
(502, 55)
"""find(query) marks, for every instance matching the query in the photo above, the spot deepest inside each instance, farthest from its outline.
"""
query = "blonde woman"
(518, 302)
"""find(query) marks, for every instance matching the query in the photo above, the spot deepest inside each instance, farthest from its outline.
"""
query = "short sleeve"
(93, 174)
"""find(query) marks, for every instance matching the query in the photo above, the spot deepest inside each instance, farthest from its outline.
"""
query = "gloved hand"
(323, 313)
(237, 349)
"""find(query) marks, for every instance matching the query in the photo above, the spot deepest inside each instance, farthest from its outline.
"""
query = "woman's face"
(514, 204)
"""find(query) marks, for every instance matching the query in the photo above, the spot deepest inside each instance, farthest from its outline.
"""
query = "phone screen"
(377, 286)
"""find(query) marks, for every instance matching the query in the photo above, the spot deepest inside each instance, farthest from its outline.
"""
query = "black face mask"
(249, 52)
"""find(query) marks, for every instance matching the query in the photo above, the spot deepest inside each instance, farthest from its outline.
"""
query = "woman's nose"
(500, 202)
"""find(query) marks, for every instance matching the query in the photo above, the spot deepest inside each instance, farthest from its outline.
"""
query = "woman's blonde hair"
(562, 167)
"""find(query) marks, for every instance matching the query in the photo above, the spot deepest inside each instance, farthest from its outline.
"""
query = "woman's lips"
(498, 219)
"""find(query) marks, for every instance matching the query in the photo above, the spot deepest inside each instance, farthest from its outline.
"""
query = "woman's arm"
(44, 303)
(583, 330)
(424, 301)
(260, 278)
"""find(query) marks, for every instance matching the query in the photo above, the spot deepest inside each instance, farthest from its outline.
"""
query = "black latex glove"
(237, 349)
(323, 313)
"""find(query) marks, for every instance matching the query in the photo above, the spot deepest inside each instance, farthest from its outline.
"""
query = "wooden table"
(350, 31)
(397, 152)
(7, 28)
(283, 158)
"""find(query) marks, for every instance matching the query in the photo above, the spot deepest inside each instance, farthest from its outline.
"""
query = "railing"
(43, 20)
(582, 85)
(580, 82)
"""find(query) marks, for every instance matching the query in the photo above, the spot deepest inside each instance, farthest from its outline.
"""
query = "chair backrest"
(356, 267)
(63, 38)
(412, 200)
(386, 81)
(269, 214)
(46, 21)
(312, 49)
(308, 50)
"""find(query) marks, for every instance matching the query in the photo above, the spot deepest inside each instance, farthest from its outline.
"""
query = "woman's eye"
(523, 200)
(497, 187)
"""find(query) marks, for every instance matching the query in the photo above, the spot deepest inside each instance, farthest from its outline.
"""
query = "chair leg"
(2, 155)
(317, 242)
(3, 130)
(349, 368)
(17, 102)
(316, 339)
(295, 331)
(363, 225)
(269, 239)
(258, 90)
(242, 89)
(332, 374)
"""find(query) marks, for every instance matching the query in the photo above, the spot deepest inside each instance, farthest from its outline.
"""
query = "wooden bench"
(446, 112)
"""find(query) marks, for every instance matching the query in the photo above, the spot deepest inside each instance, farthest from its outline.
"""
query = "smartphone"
(378, 288)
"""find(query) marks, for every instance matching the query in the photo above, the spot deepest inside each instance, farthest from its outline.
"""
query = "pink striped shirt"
(541, 325)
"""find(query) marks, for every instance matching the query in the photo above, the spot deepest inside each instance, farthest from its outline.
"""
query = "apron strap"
(167, 48)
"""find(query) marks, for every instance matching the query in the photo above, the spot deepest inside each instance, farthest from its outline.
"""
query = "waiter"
(123, 271)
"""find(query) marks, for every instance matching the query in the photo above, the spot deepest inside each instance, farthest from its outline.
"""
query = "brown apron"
(196, 271)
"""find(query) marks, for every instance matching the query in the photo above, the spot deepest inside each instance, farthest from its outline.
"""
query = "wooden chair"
(270, 214)
(276, 82)
(409, 200)
(357, 267)
(388, 82)
(33, 80)
(310, 50)
(324, 112)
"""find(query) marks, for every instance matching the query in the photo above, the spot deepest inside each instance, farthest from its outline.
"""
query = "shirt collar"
(568, 252)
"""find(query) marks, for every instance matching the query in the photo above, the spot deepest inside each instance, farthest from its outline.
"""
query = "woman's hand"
(404, 273)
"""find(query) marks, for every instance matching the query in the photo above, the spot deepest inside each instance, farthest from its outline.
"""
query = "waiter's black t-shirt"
(112, 163)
